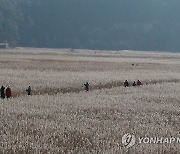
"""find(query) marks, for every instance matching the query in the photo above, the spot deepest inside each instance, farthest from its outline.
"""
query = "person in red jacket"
(139, 83)
(8, 92)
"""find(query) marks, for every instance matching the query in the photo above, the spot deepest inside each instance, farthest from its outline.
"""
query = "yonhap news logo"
(129, 140)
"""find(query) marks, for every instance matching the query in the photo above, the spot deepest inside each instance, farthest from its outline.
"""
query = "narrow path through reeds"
(108, 85)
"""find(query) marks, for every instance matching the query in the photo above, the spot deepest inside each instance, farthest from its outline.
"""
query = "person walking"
(2, 92)
(134, 83)
(8, 92)
(139, 83)
(29, 91)
(126, 84)
(86, 86)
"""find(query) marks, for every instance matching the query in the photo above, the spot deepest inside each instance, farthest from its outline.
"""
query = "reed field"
(60, 117)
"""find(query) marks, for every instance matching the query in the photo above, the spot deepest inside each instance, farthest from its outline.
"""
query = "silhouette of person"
(126, 84)
(29, 91)
(8, 92)
(86, 86)
(139, 83)
(134, 83)
(2, 92)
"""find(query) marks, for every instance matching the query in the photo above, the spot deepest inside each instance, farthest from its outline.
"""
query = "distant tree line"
(93, 24)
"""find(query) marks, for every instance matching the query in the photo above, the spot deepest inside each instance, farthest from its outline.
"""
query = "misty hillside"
(93, 24)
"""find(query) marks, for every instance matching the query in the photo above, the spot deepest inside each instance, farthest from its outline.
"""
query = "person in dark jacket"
(139, 83)
(86, 86)
(8, 92)
(2, 92)
(29, 91)
(134, 83)
(126, 84)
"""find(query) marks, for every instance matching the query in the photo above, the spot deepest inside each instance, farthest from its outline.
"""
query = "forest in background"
(91, 24)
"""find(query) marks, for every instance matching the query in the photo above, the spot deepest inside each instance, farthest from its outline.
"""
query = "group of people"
(5, 92)
(126, 84)
(138, 83)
